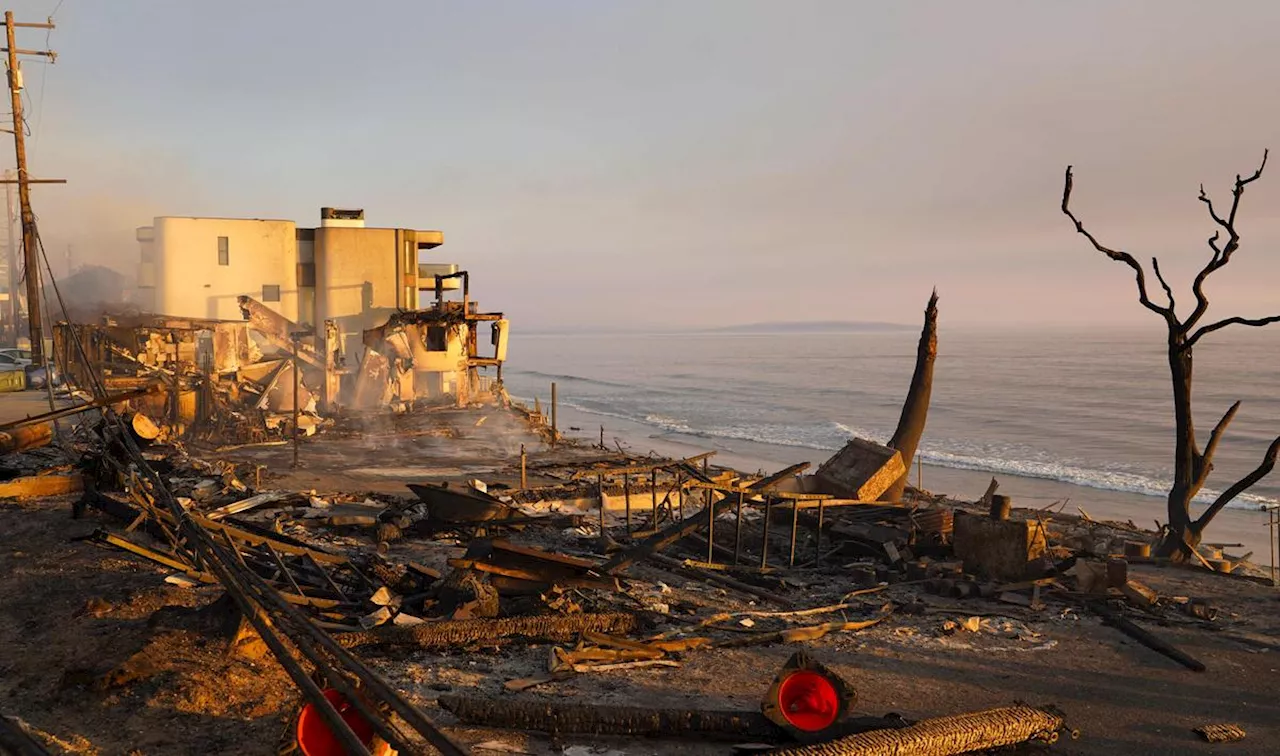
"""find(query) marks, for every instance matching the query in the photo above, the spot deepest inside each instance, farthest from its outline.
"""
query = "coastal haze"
(686, 164)
(625, 168)
(713, 166)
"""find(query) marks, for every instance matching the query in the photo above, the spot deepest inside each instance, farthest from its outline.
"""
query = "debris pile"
(611, 562)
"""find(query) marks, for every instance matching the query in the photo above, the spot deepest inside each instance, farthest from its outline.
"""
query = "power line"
(44, 76)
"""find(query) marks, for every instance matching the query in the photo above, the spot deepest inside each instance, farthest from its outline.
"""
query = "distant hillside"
(814, 326)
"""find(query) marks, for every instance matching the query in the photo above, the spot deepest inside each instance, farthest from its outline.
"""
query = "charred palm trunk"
(1185, 483)
(915, 410)
(1191, 466)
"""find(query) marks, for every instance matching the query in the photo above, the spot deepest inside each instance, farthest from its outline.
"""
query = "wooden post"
(555, 427)
(602, 437)
(600, 489)
(705, 470)
(764, 540)
(1000, 506)
(626, 498)
(737, 536)
(1273, 514)
(653, 492)
(297, 380)
(524, 483)
(680, 491)
(818, 536)
(795, 525)
(711, 531)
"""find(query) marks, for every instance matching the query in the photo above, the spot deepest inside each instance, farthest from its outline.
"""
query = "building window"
(224, 250)
(435, 339)
(270, 293)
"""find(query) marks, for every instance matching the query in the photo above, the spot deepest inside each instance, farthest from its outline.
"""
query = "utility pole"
(30, 253)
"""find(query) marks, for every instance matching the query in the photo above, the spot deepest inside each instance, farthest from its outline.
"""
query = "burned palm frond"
(591, 719)
(944, 736)
(453, 633)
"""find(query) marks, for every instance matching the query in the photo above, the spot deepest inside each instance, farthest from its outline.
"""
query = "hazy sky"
(661, 163)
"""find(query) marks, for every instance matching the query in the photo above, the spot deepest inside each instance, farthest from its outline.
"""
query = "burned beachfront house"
(432, 353)
(240, 302)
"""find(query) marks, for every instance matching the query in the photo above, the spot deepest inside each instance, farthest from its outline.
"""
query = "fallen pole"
(1153, 642)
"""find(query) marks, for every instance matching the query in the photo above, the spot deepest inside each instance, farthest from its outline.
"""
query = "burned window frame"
(436, 338)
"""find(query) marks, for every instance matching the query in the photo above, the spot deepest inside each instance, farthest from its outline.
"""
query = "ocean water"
(1088, 408)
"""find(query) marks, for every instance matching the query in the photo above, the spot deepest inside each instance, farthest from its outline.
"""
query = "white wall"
(190, 282)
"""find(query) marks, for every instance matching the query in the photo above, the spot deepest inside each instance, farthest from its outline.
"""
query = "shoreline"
(1232, 526)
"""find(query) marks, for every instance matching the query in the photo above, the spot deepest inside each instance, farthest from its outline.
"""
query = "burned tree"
(915, 410)
(1192, 465)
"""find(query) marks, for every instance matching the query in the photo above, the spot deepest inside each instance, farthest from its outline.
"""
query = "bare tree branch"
(1204, 461)
(1213, 244)
(1212, 214)
(1240, 185)
(1221, 255)
(1242, 485)
(1255, 322)
(1155, 265)
(1116, 255)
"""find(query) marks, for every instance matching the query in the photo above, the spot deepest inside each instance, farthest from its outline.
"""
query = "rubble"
(617, 564)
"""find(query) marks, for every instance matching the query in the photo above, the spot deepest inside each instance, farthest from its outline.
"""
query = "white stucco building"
(341, 270)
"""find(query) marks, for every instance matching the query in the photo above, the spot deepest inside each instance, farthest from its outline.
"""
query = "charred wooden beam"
(1151, 641)
(26, 437)
(593, 719)
(453, 633)
(34, 486)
